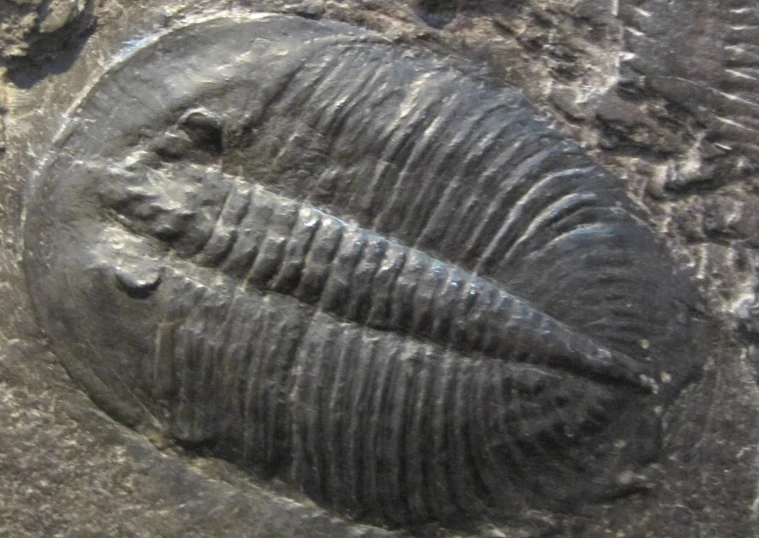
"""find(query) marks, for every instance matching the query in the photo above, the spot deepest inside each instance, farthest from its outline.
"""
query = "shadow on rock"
(46, 40)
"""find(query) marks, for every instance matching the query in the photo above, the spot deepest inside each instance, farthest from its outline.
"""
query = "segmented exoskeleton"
(356, 266)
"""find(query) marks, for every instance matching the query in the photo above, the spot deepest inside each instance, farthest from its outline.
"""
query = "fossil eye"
(138, 286)
(204, 129)
(197, 136)
(359, 269)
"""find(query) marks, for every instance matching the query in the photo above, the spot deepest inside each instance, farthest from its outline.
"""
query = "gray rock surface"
(613, 75)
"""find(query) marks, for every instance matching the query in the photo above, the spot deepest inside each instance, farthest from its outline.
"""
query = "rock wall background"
(665, 94)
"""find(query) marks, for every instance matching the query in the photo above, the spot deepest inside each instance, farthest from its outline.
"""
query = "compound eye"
(138, 281)
(197, 137)
(204, 129)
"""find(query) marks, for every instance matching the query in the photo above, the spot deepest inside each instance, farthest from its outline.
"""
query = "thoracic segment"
(246, 374)
(275, 244)
(343, 359)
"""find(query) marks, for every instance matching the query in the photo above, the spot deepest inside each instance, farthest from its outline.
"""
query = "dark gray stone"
(68, 470)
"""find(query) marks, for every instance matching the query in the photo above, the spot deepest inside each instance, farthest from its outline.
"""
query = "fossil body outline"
(289, 271)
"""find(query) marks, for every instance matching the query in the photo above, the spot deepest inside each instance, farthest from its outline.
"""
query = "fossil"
(710, 72)
(372, 272)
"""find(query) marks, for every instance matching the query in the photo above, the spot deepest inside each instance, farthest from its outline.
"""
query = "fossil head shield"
(374, 273)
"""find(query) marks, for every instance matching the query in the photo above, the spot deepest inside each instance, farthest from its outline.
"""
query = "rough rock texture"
(644, 85)
(41, 36)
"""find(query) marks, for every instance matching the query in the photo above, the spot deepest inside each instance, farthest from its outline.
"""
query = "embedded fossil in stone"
(367, 270)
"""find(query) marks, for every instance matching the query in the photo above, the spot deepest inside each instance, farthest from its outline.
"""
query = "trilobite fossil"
(359, 267)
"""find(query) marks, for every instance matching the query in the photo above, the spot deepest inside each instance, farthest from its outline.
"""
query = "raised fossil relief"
(361, 268)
